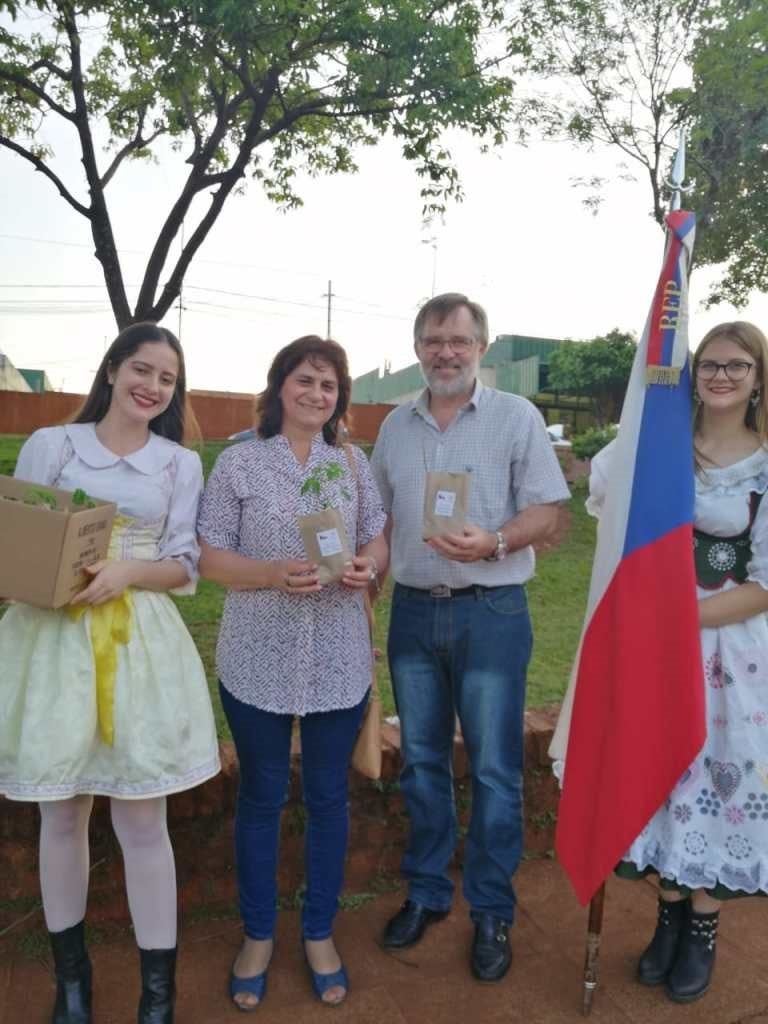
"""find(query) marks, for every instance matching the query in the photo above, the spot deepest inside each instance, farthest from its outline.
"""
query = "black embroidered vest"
(718, 559)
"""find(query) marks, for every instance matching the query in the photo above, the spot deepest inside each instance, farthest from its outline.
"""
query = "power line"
(295, 302)
(141, 252)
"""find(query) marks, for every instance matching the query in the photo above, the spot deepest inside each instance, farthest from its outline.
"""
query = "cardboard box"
(42, 549)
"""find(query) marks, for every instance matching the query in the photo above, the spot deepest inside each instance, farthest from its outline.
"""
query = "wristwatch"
(501, 551)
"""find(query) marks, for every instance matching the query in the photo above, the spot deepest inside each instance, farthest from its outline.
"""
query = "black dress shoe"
(409, 924)
(491, 952)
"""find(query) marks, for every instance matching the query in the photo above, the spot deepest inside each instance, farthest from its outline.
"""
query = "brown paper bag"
(446, 499)
(366, 754)
(326, 543)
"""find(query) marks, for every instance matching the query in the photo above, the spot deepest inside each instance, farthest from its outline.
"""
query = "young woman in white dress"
(67, 731)
(708, 842)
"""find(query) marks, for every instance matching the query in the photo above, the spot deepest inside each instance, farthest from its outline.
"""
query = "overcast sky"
(521, 243)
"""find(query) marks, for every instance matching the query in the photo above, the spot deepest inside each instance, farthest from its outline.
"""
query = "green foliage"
(588, 444)
(557, 596)
(80, 498)
(633, 72)
(727, 116)
(615, 62)
(40, 496)
(318, 480)
(10, 446)
(262, 88)
(599, 369)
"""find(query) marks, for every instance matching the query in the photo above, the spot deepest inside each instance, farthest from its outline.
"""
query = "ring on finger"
(288, 581)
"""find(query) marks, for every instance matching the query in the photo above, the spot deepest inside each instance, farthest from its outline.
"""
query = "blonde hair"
(754, 343)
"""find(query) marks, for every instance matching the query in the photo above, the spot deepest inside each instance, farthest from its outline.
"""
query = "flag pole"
(596, 904)
(678, 173)
(592, 955)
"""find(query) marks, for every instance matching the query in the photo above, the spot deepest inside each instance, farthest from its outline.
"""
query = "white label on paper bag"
(329, 542)
(444, 503)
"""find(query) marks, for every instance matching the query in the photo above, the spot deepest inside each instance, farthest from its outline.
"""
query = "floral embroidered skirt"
(712, 831)
(50, 744)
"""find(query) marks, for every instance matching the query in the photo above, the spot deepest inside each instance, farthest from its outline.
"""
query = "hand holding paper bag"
(446, 497)
(325, 538)
(471, 545)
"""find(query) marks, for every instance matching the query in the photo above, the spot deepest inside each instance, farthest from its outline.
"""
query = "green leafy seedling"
(82, 500)
(318, 480)
(39, 496)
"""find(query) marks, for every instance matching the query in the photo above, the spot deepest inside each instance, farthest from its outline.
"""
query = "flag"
(633, 718)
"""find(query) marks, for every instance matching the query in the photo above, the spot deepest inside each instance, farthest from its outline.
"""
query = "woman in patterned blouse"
(289, 646)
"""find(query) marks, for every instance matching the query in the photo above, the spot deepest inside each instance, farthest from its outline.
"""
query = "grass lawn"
(557, 598)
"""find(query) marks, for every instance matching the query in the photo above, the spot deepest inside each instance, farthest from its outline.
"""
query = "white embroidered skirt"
(50, 745)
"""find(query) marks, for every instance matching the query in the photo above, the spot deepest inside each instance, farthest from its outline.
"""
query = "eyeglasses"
(459, 345)
(735, 369)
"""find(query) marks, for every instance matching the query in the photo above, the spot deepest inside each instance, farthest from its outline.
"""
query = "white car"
(555, 435)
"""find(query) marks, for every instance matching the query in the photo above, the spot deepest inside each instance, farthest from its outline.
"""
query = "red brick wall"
(219, 413)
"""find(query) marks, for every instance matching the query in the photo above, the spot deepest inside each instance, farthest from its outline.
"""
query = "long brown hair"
(269, 406)
(174, 421)
(754, 343)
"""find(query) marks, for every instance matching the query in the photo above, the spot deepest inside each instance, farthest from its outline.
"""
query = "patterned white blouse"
(281, 652)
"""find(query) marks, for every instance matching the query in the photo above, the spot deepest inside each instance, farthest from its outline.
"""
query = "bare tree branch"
(44, 169)
(138, 141)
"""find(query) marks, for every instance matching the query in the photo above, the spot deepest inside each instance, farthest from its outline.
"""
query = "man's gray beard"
(450, 388)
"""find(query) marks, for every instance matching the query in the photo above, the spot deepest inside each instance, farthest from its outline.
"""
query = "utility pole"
(328, 295)
(433, 242)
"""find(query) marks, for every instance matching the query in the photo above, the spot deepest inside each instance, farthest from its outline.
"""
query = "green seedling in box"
(39, 496)
(82, 500)
(318, 480)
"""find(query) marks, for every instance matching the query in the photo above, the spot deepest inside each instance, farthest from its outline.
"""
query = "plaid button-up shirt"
(501, 441)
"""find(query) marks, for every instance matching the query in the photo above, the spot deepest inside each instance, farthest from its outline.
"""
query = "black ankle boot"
(690, 976)
(656, 962)
(158, 988)
(73, 976)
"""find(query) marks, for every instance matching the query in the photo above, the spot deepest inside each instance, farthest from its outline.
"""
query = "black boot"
(73, 976)
(690, 976)
(656, 962)
(158, 988)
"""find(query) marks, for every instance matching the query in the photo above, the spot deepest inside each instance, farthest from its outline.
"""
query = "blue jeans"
(263, 742)
(464, 655)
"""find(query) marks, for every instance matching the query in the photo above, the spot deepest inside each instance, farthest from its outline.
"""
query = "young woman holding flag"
(708, 842)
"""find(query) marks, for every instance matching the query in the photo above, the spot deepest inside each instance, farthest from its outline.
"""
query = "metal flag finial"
(678, 173)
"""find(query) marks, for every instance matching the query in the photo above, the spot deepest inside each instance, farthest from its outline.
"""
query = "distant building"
(37, 380)
(10, 378)
(513, 363)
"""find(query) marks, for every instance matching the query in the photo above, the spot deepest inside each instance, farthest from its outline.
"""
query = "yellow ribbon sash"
(110, 626)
